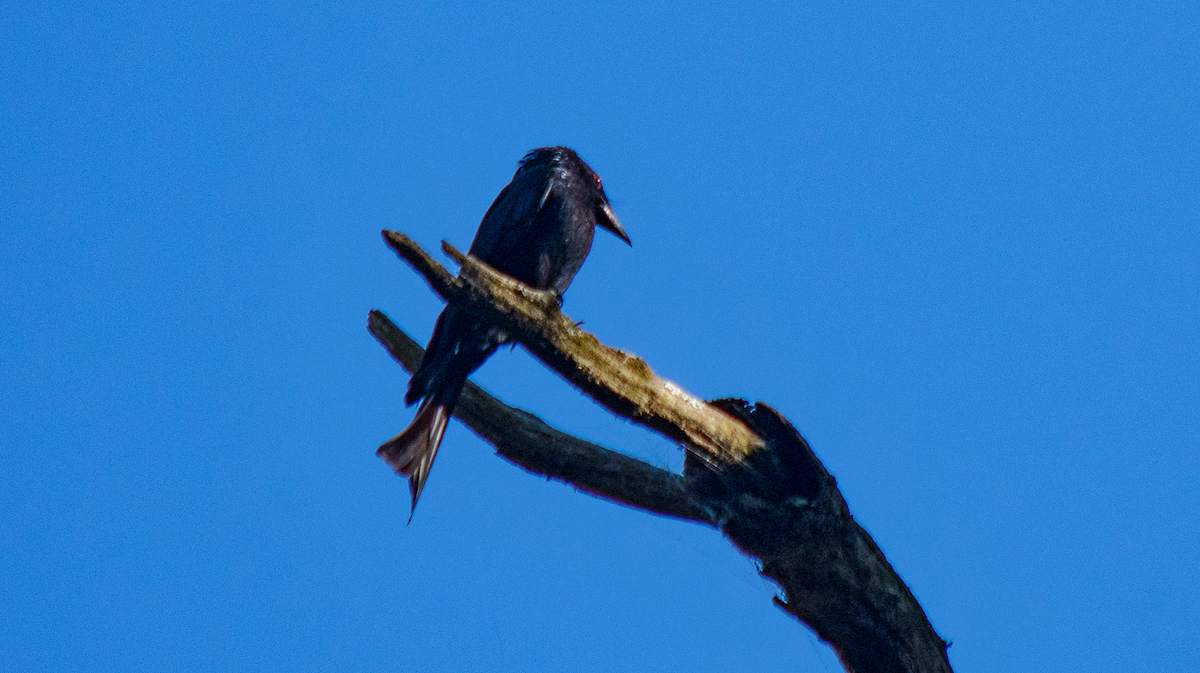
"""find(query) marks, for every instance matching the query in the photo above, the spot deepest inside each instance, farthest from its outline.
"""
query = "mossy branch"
(747, 471)
(622, 382)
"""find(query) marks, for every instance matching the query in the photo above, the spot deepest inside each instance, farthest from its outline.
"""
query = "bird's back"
(539, 229)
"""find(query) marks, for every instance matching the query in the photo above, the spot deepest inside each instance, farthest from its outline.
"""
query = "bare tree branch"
(756, 479)
(529, 442)
(622, 382)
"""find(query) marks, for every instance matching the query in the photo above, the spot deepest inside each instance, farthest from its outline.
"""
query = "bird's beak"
(608, 220)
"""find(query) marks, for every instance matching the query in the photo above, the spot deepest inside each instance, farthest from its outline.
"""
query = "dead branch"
(622, 382)
(757, 478)
(529, 442)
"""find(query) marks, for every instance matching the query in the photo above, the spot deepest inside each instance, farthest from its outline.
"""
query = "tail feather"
(411, 452)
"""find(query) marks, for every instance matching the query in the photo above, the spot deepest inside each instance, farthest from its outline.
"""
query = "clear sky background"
(957, 244)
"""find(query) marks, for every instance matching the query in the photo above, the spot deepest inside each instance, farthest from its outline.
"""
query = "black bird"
(539, 231)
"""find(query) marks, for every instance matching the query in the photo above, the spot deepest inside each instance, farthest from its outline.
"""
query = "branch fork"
(747, 471)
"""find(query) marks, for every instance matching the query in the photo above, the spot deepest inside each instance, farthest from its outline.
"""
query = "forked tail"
(411, 452)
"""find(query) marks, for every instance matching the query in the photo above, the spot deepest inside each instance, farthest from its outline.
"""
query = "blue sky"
(958, 246)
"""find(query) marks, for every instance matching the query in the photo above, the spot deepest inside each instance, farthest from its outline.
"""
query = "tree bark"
(747, 471)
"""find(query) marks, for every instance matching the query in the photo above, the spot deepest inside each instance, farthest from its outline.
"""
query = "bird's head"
(570, 169)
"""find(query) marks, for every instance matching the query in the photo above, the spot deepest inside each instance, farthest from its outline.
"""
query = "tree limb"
(526, 440)
(622, 382)
(747, 470)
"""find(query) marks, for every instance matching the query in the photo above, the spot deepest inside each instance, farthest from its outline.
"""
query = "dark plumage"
(539, 230)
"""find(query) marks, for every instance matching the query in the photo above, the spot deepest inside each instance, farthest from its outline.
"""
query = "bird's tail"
(411, 452)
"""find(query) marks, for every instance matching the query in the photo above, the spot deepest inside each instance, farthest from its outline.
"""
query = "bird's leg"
(557, 296)
(546, 296)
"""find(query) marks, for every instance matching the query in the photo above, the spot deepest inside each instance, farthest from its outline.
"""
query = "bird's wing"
(513, 211)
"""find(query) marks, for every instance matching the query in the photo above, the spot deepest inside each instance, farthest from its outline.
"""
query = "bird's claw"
(551, 295)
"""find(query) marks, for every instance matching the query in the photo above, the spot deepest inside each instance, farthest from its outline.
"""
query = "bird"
(538, 231)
